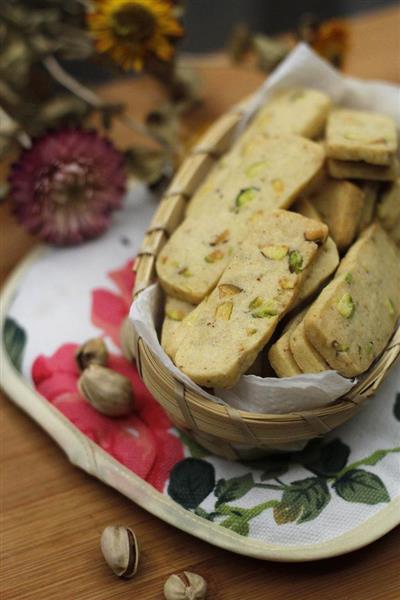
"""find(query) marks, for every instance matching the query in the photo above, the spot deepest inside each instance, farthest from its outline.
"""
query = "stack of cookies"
(286, 261)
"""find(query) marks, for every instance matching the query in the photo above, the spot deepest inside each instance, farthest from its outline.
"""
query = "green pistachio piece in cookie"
(246, 195)
(295, 261)
(390, 307)
(346, 306)
(256, 169)
(349, 278)
(275, 252)
(175, 315)
(256, 302)
(268, 309)
(224, 311)
(369, 347)
(340, 347)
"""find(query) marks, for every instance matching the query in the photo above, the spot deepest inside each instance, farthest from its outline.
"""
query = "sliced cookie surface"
(224, 334)
(355, 135)
(353, 318)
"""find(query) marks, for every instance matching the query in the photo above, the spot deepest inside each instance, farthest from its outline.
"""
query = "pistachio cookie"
(224, 334)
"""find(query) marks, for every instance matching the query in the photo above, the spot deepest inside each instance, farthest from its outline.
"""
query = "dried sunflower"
(66, 185)
(130, 30)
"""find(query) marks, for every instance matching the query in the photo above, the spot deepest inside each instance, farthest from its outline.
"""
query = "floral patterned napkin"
(329, 488)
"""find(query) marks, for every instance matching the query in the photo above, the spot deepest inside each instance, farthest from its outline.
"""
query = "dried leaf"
(150, 166)
(269, 52)
(63, 109)
(239, 42)
(164, 124)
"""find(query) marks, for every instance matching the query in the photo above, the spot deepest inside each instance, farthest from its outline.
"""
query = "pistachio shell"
(120, 550)
(93, 351)
(107, 391)
(185, 586)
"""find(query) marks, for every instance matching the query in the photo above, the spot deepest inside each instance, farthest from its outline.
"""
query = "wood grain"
(52, 514)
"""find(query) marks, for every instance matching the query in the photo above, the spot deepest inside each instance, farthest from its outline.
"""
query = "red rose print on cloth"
(145, 441)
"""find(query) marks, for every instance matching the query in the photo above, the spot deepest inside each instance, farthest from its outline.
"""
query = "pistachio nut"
(228, 289)
(185, 586)
(107, 391)
(93, 351)
(120, 549)
(224, 311)
(275, 251)
(246, 195)
(346, 306)
(268, 309)
(295, 261)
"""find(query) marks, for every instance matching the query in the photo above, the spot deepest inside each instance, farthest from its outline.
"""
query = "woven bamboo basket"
(223, 430)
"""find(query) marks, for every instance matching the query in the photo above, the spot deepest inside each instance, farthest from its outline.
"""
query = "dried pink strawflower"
(65, 187)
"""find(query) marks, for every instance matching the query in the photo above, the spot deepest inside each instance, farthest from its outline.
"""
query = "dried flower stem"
(81, 91)
(7, 123)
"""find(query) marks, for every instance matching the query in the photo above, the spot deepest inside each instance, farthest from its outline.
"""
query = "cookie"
(388, 210)
(370, 190)
(354, 317)
(326, 261)
(324, 265)
(394, 232)
(341, 169)
(224, 334)
(355, 135)
(304, 354)
(280, 355)
(175, 312)
(340, 204)
(302, 111)
(306, 208)
(214, 180)
(268, 177)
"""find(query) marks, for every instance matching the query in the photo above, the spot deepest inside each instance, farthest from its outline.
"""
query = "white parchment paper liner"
(279, 395)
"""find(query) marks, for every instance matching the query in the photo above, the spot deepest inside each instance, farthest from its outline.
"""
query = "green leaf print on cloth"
(298, 502)
(14, 341)
(191, 480)
(302, 501)
(361, 486)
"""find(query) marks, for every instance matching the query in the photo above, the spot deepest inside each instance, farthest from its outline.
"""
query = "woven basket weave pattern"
(221, 428)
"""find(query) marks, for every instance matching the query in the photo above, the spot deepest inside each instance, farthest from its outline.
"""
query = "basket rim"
(342, 404)
(209, 146)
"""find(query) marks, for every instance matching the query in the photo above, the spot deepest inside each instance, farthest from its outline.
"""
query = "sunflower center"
(133, 23)
(67, 183)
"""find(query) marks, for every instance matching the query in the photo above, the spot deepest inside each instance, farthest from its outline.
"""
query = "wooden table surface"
(52, 513)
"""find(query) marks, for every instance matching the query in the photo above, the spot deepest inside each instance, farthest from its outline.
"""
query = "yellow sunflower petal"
(128, 47)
